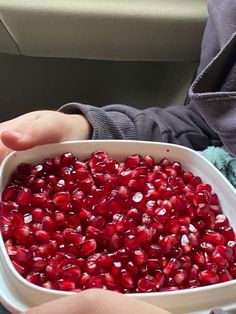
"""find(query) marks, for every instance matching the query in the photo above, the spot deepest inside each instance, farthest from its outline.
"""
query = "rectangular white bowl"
(18, 295)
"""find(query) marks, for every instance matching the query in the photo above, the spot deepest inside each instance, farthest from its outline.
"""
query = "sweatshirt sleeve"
(177, 124)
(210, 116)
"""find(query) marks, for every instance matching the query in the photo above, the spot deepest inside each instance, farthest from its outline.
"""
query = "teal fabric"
(223, 161)
(3, 310)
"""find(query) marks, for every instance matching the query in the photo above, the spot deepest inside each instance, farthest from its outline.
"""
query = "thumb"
(44, 128)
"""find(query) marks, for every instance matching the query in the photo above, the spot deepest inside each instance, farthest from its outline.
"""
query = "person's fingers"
(44, 128)
(97, 301)
(41, 129)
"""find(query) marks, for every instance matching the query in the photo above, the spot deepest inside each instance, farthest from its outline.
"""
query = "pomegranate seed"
(88, 247)
(213, 237)
(147, 284)
(139, 257)
(38, 264)
(160, 279)
(37, 214)
(126, 280)
(228, 233)
(61, 199)
(208, 277)
(24, 197)
(221, 221)
(21, 232)
(42, 236)
(65, 285)
(109, 281)
(224, 275)
(167, 242)
(9, 194)
(34, 278)
(180, 277)
(48, 224)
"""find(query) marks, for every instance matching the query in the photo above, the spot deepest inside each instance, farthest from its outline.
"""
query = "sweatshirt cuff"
(103, 123)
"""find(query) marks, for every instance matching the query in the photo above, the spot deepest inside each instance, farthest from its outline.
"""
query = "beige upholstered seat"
(163, 30)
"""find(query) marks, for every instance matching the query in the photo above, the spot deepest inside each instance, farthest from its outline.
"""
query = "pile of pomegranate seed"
(131, 226)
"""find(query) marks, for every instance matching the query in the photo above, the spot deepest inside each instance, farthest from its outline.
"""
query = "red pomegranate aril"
(21, 232)
(34, 278)
(22, 255)
(167, 242)
(147, 284)
(212, 267)
(130, 243)
(106, 261)
(196, 180)
(109, 281)
(203, 187)
(232, 269)
(180, 277)
(208, 277)
(24, 196)
(228, 233)
(150, 161)
(65, 285)
(9, 194)
(213, 237)
(88, 247)
(173, 225)
(51, 272)
(48, 224)
(221, 221)
(61, 199)
(199, 258)
(46, 250)
(42, 236)
(71, 272)
(209, 220)
(126, 280)
(59, 218)
(185, 243)
(37, 214)
(139, 257)
(171, 267)
(160, 279)
(39, 199)
(224, 275)
(116, 269)
(38, 264)
(115, 242)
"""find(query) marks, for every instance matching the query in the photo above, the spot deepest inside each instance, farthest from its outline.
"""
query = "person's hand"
(97, 301)
(41, 127)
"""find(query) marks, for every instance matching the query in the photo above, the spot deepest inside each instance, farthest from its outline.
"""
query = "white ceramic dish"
(18, 295)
